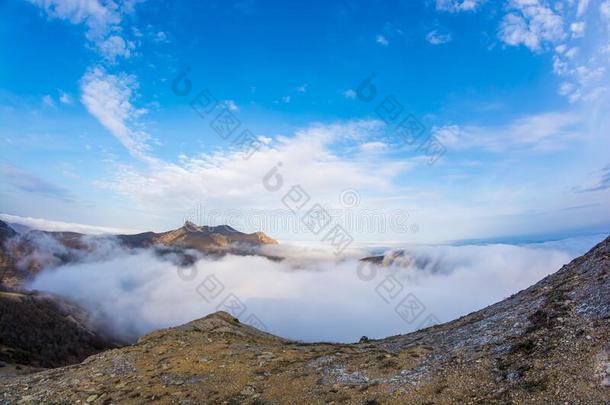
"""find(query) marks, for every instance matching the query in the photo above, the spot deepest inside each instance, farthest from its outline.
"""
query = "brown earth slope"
(547, 344)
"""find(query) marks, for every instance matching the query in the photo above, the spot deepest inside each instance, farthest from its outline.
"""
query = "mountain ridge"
(199, 237)
(18, 263)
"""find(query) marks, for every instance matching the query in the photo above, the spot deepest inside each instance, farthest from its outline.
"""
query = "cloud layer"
(311, 296)
(231, 180)
(59, 226)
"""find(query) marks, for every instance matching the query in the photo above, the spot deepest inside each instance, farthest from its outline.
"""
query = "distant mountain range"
(18, 261)
(201, 238)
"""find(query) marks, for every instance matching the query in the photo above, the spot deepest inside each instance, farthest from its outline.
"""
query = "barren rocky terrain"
(547, 344)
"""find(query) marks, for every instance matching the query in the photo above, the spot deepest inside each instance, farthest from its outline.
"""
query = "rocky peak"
(191, 226)
(220, 229)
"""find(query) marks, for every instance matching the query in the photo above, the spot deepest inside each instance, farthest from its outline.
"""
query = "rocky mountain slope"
(549, 343)
(44, 331)
(6, 260)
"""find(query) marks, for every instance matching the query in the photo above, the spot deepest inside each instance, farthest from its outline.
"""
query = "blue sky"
(516, 92)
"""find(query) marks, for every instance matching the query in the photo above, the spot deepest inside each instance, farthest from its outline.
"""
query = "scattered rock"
(248, 391)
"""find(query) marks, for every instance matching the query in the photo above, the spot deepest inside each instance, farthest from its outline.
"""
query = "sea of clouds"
(309, 296)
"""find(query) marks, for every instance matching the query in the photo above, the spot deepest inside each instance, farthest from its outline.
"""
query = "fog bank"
(309, 296)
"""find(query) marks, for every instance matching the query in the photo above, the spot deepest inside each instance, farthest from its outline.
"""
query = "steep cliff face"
(547, 344)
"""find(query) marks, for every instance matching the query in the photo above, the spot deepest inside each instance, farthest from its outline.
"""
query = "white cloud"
(578, 29)
(115, 46)
(302, 88)
(437, 38)
(571, 53)
(584, 84)
(230, 104)
(381, 40)
(582, 7)
(226, 179)
(542, 25)
(286, 99)
(59, 226)
(448, 135)
(540, 132)
(532, 24)
(65, 98)
(47, 100)
(583, 80)
(374, 147)
(349, 93)
(102, 18)
(161, 37)
(566, 88)
(454, 6)
(583, 69)
(588, 75)
(109, 99)
(97, 16)
(604, 10)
